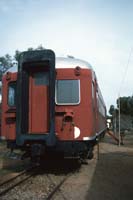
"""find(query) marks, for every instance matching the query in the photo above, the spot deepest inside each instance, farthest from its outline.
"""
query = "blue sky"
(98, 31)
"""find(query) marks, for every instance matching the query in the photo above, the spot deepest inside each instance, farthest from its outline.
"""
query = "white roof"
(71, 63)
(62, 62)
(12, 69)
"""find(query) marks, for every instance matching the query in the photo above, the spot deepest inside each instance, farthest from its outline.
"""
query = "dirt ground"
(109, 178)
(10, 163)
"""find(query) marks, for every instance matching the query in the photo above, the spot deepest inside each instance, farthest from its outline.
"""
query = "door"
(35, 108)
(39, 102)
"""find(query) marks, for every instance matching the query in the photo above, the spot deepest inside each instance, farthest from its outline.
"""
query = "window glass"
(67, 92)
(12, 94)
(41, 78)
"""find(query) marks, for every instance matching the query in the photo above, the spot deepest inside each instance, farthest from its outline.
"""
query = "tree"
(8, 61)
(40, 47)
(17, 54)
(30, 49)
(126, 105)
(5, 63)
(111, 110)
(130, 105)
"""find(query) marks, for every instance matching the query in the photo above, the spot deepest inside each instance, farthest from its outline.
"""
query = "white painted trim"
(97, 134)
(76, 132)
(93, 137)
(89, 138)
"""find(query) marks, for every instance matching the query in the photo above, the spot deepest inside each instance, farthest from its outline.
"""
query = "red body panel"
(8, 125)
(83, 113)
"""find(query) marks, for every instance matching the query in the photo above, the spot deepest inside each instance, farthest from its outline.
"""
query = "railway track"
(42, 182)
(57, 187)
(16, 180)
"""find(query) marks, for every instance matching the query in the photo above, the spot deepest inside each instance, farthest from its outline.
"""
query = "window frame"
(79, 96)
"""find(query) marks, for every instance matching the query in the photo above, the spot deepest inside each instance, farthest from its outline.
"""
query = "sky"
(98, 31)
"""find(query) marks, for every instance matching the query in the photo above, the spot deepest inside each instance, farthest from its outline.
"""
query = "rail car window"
(101, 107)
(68, 92)
(12, 94)
(93, 90)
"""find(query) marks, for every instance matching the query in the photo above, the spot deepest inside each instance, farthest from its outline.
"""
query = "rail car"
(52, 104)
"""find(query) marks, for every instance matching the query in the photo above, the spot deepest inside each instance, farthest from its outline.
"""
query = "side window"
(68, 92)
(93, 90)
(12, 94)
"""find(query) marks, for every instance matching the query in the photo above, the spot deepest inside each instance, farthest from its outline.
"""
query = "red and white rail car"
(52, 105)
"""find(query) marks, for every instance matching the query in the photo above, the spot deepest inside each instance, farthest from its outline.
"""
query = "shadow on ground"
(59, 166)
(13, 163)
(113, 176)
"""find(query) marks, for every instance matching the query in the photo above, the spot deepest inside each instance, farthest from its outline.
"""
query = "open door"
(36, 97)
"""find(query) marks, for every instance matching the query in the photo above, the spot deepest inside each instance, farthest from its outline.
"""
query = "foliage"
(126, 105)
(8, 61)
(5, 63)
(17, 54)
(111, 110)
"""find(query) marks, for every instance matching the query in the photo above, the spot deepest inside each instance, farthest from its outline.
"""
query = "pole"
(115, 123)
(98, 149)
(122, 81)
(119, 121)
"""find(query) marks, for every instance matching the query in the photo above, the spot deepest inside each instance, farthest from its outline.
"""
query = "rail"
(16, 180)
